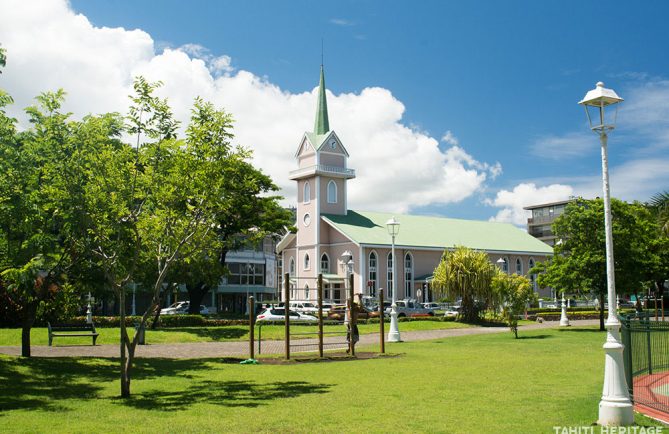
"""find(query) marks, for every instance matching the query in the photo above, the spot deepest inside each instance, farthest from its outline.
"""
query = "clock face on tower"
(307, 219)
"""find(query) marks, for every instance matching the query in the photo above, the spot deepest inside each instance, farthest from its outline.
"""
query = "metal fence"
(646, 358)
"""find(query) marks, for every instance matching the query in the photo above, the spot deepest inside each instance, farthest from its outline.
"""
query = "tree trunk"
(195, 295)
(27, 324)
(601, 312)
(156, 317)
(125, 375)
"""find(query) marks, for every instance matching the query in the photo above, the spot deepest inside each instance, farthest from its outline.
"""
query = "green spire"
(321, 126)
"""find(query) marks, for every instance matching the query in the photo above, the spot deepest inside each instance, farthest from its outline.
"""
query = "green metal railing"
(646, 357)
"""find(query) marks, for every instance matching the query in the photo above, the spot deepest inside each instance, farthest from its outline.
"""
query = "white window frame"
(373, 269)
(519, 266)
(408, 275)
(326, 269)
(307, 261)
(291, 270)
(505, 265)
(332, 194)
(306, 192)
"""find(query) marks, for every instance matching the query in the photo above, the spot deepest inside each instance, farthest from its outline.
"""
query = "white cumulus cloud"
(450, 138)
(526, 194)
(50, 46)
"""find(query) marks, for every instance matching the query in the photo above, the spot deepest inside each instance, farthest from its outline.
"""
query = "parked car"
(304, 307)
(432, 305)
(338, 312)
(175, 308)
(410, 308)
(279, 314)
(181, 308)
(451, 312)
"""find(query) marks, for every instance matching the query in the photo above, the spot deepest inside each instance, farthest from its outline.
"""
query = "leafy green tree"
(466, 274)
(35, 236)
(659, 205)
(241, 199)
(579, 261)
(514, 293)
(139, 201)
(659, 269)
(3, 58)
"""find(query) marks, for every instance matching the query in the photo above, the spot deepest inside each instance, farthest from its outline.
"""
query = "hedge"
(202, 321)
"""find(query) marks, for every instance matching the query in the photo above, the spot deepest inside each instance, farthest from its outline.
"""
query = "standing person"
(352, 335)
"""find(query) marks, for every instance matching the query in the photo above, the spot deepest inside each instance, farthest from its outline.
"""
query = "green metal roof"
(365, 227)
(322, 125)
(317, 139)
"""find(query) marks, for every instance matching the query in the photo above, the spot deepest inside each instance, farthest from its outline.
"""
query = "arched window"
(306, 291)
(505, 265)
(332, 192)
(306, 261)
(533, 277)
(325, 263)
(519, 267)
(307, 192)
(292, 266)
(372, 274)
(408, 275)
(390, 274)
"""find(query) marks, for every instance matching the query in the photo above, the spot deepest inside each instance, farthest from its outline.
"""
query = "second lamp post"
(394, 332)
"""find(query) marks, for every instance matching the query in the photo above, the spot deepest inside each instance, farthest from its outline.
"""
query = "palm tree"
(659, 203)
(466, 274)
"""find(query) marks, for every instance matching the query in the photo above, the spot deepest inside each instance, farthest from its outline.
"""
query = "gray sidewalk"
(241, 349)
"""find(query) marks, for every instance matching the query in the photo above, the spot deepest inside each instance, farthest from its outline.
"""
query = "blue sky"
(502, 77)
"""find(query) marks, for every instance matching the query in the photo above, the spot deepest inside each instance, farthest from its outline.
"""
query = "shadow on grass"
(47, 383)
(535, 337)
(230, 393)
(215, 334)
(483, 323)
(580, 330)
(44, 383)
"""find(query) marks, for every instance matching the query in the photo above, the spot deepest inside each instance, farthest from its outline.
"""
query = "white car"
(278, 314)
(304, 307)
(181, 308)
(451, 312)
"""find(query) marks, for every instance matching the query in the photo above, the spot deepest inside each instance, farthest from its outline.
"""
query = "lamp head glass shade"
(597, 104)
(393, 227)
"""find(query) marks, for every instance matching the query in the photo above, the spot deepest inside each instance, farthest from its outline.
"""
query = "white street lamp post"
(347, 259)
(89, 312)
(564, 321)
(615, 408)
(393, 227)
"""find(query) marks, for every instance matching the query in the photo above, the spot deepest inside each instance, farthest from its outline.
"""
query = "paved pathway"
(241, 349)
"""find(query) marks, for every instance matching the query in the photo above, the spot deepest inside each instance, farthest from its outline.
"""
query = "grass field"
(39, 336)
(470, 384)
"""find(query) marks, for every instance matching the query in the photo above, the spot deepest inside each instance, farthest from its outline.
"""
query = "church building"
(334, 240)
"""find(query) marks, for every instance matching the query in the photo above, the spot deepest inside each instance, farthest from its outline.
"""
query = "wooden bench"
(72, 330)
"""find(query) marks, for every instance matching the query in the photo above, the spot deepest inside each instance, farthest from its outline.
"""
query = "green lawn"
(40, 335)
(470, 384)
